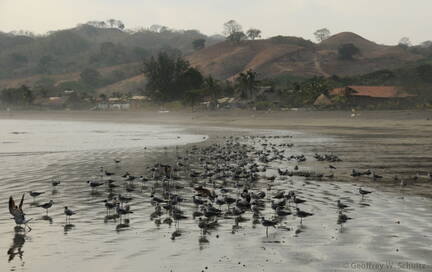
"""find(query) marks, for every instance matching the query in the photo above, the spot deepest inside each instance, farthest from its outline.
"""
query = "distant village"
(267, 98)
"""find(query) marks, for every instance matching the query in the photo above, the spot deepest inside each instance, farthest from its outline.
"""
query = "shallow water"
(388, 226)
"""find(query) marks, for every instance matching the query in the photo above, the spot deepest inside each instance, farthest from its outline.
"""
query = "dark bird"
(375, 176)
(364, 192)
(332, 167)
(268, 223)
(281, 212)
(47, 205)
(68, 212)
(341, 206)
(35, 194)
(297, 200)
(109, 173)
(94, 184)
(303, 214)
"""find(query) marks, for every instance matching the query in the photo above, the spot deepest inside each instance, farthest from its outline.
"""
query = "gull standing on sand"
(68, 212)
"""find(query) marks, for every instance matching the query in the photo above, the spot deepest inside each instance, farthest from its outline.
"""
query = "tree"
(231, 27)
(426, 44)
(111, 22)
(193, 97)
(253, 33)
(237, 37)
(348, 51)
(120, 25)
(156, 28)
(168, 78)
(310, 89)
(90, 77)
(425, 72)
(213, 89)
(18, 96)
(247, 84)
(405, 42)
(46, 63)
(199, 44)
(322, 34)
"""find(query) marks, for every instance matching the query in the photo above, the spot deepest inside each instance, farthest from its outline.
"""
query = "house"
(53, 102)
(137, 101)
(366, 95)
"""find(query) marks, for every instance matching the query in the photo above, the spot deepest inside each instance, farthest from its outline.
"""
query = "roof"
(371, 91)
(322, 100)
(139, 97)
(225, 100)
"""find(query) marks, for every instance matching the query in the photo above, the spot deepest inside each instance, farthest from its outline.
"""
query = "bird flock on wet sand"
(229, 180)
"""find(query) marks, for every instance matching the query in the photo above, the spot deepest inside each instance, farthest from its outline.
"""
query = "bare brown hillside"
(295, 56)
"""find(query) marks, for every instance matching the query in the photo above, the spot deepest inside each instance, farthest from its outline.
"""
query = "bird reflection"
(16, 248)
(68, 227)
(47, 218)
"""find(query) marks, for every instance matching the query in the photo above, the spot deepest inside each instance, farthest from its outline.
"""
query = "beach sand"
(391, 226)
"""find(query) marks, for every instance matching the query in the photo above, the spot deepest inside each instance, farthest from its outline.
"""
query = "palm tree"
(247, 83)
(212, 88)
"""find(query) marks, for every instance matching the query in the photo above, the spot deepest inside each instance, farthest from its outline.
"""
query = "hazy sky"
(383, 21)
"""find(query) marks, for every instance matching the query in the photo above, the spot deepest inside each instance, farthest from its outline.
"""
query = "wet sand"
(390, 225)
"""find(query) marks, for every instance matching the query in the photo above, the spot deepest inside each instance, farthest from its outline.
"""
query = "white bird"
(17, 212)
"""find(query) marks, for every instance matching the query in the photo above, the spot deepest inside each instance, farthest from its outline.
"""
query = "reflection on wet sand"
(16, 247)
(47, 218)
(68, 227)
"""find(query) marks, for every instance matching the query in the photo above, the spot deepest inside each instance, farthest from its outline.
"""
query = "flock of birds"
(224, 180)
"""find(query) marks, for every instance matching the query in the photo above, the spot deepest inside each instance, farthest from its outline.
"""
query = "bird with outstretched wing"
(17, 212)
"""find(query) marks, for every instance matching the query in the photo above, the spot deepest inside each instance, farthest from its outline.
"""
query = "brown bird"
(17, 212)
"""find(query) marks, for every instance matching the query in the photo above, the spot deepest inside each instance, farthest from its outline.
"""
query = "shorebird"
(94, 184)
(375, 176)
(47, 205)
(298, 200)
(281, 212)
(123, 210)
(109, 173)
(303, 214)
(110, 205)
(68, 212)
(17, 213)
(35, 194)
(268, 223)
(55, 183)
(341, 206)
(364, 192)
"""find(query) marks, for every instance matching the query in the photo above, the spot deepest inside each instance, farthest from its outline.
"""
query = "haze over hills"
(72, 50)
(62, 55)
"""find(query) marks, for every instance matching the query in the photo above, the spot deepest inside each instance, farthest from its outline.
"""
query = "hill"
(61, 55)
(298, 57)
(87, 46)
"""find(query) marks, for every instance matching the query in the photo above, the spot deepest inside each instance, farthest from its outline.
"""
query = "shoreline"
(326, 122)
